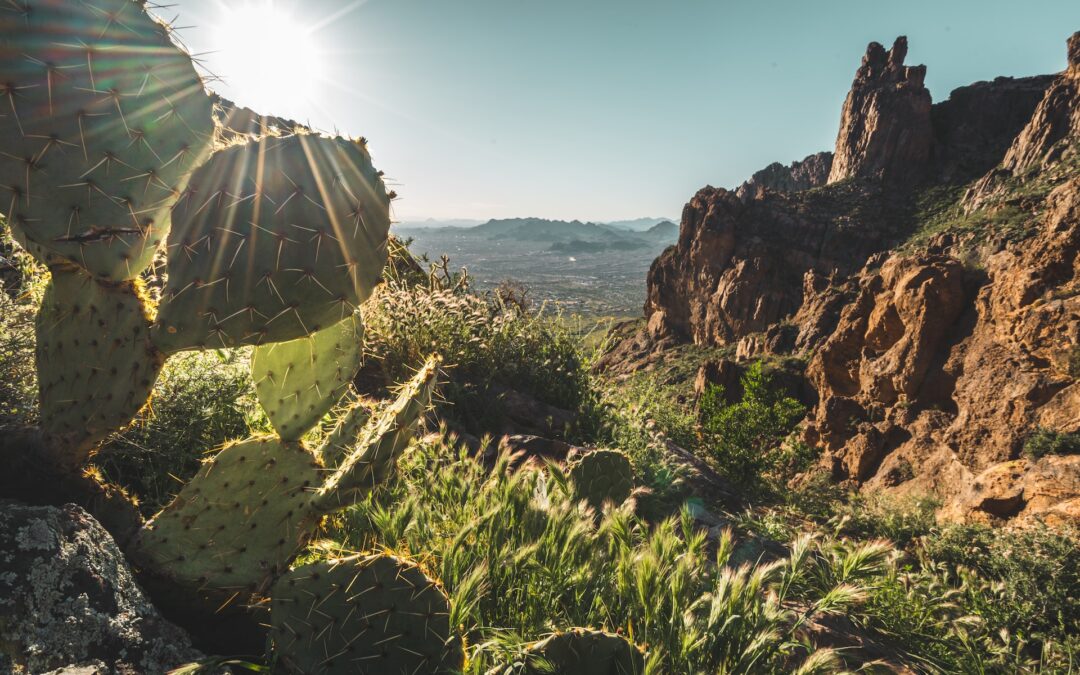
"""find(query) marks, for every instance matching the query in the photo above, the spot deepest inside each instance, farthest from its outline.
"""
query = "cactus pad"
(365, 614)
(241, 520)
(102, 119)
(601, 476)
(580, 652)
(381, 442)
(251, 509)
(96, 365)
(339, 443)
(275, 240)
(299, 381)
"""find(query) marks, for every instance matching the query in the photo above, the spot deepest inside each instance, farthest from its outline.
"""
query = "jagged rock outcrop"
(68, 599)
(933, 362)
(738, 266)
(975, 126)
(1050, 134)
(885, 127)
(1056, 120)
(811, 172)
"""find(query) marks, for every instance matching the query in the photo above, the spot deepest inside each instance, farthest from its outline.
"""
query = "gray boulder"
(69, 602)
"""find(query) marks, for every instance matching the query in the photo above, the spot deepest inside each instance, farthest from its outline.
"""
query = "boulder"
(69, 602)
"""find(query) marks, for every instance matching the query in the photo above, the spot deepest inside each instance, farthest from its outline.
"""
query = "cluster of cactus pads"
(110, 156)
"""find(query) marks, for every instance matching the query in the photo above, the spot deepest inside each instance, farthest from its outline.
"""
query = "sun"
(267, 58)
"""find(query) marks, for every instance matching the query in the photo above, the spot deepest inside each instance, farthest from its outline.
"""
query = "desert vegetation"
(321, 455)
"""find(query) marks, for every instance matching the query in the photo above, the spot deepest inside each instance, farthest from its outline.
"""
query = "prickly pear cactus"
(96, 365)
(602, 476)
(239, 521)
(299, 381)
(364, 614)
(275, 240)
(252, 508)
(102, 119)
(580, 651)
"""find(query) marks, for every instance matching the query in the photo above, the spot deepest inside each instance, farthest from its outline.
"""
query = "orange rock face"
(947, 371)
(932, 363)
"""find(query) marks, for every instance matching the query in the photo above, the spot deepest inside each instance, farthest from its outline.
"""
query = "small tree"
(746, 439)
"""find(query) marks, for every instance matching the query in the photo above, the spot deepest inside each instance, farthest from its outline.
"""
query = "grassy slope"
(520, 558)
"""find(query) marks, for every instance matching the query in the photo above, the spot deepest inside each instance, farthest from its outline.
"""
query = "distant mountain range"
(564, 236)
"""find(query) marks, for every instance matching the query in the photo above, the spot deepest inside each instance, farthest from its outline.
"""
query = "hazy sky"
(596, 109)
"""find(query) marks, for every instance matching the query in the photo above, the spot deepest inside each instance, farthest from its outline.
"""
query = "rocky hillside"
(927, 273)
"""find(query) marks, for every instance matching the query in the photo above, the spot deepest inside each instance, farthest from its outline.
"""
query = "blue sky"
(598, 109)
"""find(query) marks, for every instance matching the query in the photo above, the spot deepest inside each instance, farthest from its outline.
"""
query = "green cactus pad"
(102, 119)
(381, 442)
(602, 476)
(582, 651)
(299, 381)
(275, 240)
(96, 365)
(339, 443)
(365, 614)
(239, 522)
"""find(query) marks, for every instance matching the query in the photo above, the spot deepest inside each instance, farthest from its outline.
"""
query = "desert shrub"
(901, 520)
(635, 416)
(520, 558)
(746, 440)
(18, 377)
(970, 598)
(485, 344)
(22, 283)
(1043, 442)
(200, 401)
(1033, 574)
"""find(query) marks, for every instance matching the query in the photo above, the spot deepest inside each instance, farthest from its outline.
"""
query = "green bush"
(485, 344)
(1033, 575)
(200, 401)
(1043, 442)
(18, 376)
(746, 440)
(971, 598)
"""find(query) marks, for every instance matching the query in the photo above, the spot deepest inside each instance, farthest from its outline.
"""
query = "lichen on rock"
(68, 599)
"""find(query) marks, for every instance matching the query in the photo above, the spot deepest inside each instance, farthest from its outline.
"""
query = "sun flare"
(269, 60)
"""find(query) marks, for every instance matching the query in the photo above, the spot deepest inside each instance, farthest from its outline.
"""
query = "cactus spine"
(364, 614)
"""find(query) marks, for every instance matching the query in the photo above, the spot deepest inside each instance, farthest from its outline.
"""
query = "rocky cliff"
(932, 287)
